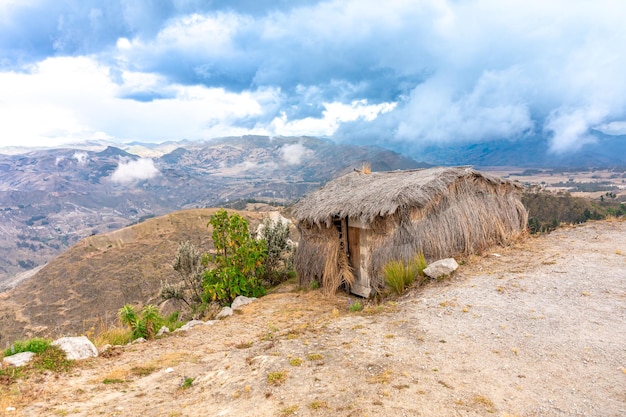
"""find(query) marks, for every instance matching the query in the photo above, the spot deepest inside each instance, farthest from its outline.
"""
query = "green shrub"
(189, 289)
(53, 358)
(35, 345)
(355, 306)
(238, 262)
(146, 324)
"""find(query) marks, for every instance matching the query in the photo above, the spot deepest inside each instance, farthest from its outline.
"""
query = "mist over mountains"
(50, 199)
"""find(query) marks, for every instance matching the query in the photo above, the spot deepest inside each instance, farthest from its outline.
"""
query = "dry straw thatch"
(441, 212)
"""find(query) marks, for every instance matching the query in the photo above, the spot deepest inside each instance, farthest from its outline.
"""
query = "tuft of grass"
(289, 411)
(381, 378)
(143, 370)
(317, 405)
(277, 377)
(295, 362)
(399, 275)
(110, 381)
(35, 345)
(115, 336)
(244, 345)
(315, 357)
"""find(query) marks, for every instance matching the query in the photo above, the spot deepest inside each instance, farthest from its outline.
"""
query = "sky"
(400, 73)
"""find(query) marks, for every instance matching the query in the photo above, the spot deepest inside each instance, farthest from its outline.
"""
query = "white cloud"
(295, 153)
(131, 171)
(615, 128)
(81, 158)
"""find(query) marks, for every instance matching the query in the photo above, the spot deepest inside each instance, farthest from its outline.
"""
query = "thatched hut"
(356, 223)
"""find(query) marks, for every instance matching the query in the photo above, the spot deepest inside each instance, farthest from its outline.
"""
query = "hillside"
(101, 273)
(535, 329)
(52, 198)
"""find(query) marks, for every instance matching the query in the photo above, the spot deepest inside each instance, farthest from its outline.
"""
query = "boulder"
(77, 348)
(19, 359)
(162, 331)
(241, 301)
(441, 268)
(226, 311)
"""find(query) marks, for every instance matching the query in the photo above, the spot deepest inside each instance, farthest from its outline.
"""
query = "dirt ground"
(536, 329)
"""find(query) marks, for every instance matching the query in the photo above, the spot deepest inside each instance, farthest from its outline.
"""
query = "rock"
(169, 370)
(11, 408)
(190, 325)
(241, 301)
(226, 311)
(104, 348)
(441, 268)
(162, 331)
(19, 359)
(77, 348)
(138, 340)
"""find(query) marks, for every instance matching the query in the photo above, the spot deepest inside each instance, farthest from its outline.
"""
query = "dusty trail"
(538, 330)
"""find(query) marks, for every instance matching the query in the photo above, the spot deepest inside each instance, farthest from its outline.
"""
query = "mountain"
(52, 198)
(101, 273)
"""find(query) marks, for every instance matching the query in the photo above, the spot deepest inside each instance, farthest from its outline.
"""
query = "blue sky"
(399, 73)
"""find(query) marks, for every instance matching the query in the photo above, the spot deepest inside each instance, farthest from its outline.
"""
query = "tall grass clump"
(399, 275)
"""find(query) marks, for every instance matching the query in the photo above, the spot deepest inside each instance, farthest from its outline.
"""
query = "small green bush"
(146, 324)
(355, 306)
(53, 358)
(35, 345)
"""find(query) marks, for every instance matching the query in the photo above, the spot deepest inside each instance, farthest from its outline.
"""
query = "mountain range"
(52, 198)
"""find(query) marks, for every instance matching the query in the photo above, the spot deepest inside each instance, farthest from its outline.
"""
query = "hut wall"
(470, 218)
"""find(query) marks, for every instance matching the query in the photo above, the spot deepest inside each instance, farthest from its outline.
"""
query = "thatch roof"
(367, 196)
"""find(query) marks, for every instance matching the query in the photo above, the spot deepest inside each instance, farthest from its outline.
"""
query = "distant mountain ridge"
(51, 198)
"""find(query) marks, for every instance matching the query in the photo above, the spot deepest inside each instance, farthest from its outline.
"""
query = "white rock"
(226, 311)
(441, 268)
(77, 348)
(162, 331)
(169, 370)
(138, 340)
(19, 359)
(241, 301)
(190, 325)
(11, 408)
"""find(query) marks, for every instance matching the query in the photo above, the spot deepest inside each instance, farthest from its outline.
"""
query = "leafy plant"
(355, 306)
(146, 324)
(187, 383)
(35, 345)
(238, 262)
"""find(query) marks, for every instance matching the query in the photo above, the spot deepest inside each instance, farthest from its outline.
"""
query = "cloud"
(295, 153)
(81, 158)
(406, 75)
(130, 171)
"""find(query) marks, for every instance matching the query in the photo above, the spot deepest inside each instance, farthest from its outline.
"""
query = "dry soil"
(535, 329)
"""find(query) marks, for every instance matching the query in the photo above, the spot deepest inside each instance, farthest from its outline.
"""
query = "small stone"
(10, 408)
(226, 312)
(162, 331)
(139, 340)
(241, 301)
(441, 268)
(169, 370)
